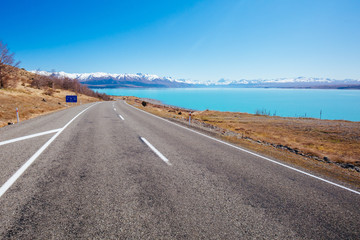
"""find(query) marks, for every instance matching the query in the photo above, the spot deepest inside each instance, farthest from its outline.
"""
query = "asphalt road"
(99, 179)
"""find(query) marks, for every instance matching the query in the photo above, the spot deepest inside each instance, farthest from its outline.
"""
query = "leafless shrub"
(49, 91)
(262, 112)
(54, 82)
(6, 71)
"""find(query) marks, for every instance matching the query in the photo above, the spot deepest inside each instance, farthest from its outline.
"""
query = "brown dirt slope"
(31, 101)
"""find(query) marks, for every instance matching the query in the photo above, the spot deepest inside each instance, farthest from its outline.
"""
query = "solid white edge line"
(121, 117)
(23, 168)
(29, 136)
(156, 151)
(255, 154)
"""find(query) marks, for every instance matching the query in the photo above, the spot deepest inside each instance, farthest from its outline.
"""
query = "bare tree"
(6, 59)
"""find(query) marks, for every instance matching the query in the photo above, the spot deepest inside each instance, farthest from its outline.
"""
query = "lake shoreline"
(314, 103)
(338, 87)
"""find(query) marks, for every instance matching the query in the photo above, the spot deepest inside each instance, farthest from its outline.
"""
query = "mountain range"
(139, 80)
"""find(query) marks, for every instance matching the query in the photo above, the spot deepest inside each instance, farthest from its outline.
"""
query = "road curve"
(114, 172)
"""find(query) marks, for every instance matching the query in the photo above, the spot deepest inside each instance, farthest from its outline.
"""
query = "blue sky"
(199, 40)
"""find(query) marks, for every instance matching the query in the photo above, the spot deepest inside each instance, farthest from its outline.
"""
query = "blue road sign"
(71, 98)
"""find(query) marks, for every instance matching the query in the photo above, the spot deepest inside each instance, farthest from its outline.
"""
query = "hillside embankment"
(33, 102)
(36, 95)
(328, 147)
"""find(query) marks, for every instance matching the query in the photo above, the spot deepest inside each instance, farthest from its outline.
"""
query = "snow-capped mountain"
(100, 79)
(299, 82)
(285, 80)
(84, 77)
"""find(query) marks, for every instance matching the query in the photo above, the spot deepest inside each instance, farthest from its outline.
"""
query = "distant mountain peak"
(101, 79)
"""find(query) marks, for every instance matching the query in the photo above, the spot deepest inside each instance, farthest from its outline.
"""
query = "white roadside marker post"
(17, 115)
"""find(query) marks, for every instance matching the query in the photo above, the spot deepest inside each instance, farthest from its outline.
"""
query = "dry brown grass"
(337, 140)
(32, 102)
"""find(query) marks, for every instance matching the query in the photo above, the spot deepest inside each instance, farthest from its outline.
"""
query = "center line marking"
(121, 117)
(156, 151)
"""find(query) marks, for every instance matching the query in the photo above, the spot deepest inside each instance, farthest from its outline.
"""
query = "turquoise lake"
(333, 104)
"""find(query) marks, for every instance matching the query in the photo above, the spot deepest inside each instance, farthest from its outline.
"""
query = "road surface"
(109, 171)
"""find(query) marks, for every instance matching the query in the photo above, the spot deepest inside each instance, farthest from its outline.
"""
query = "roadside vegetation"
(329, 147)
(34, 94)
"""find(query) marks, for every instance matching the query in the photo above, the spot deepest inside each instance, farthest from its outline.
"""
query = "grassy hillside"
(35, 95)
